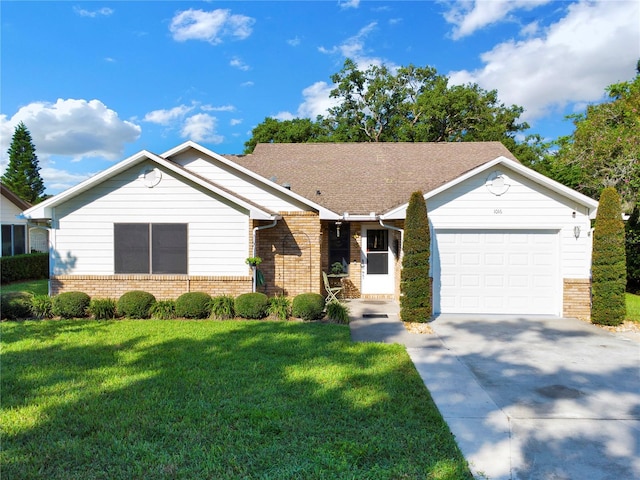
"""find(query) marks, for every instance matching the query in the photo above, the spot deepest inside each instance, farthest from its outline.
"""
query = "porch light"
(576, 232)
(338, 229)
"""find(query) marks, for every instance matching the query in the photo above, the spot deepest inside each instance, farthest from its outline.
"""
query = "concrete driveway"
(536, 398)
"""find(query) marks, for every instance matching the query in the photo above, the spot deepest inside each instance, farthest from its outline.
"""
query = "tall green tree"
(297, 130)
(23, 172)
(604, 149)
(416, 303)
(608, 269)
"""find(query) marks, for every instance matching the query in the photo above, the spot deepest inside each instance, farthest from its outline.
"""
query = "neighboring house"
(17, 236)
(505, 239)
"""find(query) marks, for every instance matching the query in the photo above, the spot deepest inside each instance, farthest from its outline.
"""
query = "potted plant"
(253, 261)
(337, 268)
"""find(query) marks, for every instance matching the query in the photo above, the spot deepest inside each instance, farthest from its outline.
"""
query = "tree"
(298, 130)
(604, 149)
(415, 284)
(608, 269)
(23, 173)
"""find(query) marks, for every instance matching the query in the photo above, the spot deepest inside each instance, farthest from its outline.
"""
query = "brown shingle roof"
(360, 178)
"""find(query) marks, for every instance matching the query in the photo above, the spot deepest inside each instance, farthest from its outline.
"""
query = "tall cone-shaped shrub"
(608, 270)
(415, 284)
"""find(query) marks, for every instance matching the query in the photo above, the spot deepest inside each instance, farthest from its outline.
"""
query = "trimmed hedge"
(193, 305)
(135, 304)
(308, 306)
(71, 305)
(15, 306)
(608, 269)
(251, 305)
(30, 266)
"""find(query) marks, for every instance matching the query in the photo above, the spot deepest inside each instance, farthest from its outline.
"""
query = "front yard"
(206, 399)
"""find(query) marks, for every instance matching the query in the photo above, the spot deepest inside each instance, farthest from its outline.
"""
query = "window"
(14, 240)
(377, 252)
(339, 238)
(158, 248)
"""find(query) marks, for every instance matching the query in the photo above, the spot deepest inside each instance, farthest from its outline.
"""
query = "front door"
(377, 261)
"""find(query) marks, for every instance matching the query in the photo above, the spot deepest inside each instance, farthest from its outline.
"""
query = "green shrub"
(42, 306)
(415, 284)
(338, 312)
(135, 304)
(103, 308)
(164, 310)
(71, 305)
(251, 305)
(279, 307)
(222, 307)
(308, 306)
(15, 305)
(30, 266)
(193, 305)
(608, 269)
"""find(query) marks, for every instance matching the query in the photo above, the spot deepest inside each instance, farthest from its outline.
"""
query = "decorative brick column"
(576, 298)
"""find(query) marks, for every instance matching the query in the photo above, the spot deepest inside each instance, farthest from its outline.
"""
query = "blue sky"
(96, 82)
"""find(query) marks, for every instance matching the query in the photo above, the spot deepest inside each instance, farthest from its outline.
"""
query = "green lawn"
(206, 399)
(633, 307)
(37, 287)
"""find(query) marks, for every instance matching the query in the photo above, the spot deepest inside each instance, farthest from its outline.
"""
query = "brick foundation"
(576, 298)
(161, 286)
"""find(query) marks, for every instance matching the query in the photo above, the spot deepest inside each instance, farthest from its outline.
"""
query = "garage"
(497, 271)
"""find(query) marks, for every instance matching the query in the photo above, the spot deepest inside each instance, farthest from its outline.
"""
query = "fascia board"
(324, 213)
(400, 212)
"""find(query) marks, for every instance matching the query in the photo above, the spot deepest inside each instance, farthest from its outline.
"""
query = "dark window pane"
(6, 241)
(339, 238)
(19, 239)
(377, 240)
(169, 248)
(131, 245)
(377, 263)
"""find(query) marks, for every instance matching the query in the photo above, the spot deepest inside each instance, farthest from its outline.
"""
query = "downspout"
(49, 230)
(254, 249)
(397, 229)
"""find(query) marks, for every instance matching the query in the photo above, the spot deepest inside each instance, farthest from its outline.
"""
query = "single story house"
(18, 236)
(505, 239)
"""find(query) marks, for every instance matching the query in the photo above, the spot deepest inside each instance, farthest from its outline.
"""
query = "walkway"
(525, 397)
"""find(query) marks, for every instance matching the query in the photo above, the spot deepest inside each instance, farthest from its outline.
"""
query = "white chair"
(331, 291)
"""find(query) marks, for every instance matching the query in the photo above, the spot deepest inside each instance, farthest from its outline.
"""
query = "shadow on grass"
(154, 399)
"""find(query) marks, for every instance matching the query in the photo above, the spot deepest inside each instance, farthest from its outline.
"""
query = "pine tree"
(23, 173)
(608, 269)
(415, 284)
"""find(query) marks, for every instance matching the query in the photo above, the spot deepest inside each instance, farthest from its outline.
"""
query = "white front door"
(377, 260)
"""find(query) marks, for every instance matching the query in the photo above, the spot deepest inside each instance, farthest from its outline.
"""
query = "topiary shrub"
(42, 306)
(135, 304)
(338, 312)
(193, 305)
(308, 306)
(15, 305)
(251, 305)
(415, 284)
(164, 310)
(222, 307)
(103, 308)
(608, 269)
(279, 307)
(71, 305)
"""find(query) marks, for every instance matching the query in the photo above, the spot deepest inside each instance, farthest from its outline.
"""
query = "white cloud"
(573, 60)
(316, 100)
(294, 42)
(221, 108)
(59, 180)
(235, 121)
(101, 12)
(75, 128)
(201, 128)
(349, 3)
(354, 48)
(239, 64)
(165, 117)
(470, 16)
(210, 26)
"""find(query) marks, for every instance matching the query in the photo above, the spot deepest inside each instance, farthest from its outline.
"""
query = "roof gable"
(9, 194)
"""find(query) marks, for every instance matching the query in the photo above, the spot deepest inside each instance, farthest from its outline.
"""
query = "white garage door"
(496, 271)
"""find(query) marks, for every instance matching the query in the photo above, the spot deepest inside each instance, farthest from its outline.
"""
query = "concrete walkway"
(526, 397)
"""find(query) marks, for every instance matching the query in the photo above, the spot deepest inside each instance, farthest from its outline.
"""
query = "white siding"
(8, 212)
(83, 241)
(525, 205)
(241, 184)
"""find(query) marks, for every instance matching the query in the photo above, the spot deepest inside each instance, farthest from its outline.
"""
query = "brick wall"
(161, 286)
(291, 255)
(576, 298)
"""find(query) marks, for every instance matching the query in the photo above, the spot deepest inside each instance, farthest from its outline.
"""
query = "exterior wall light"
(576, 232)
